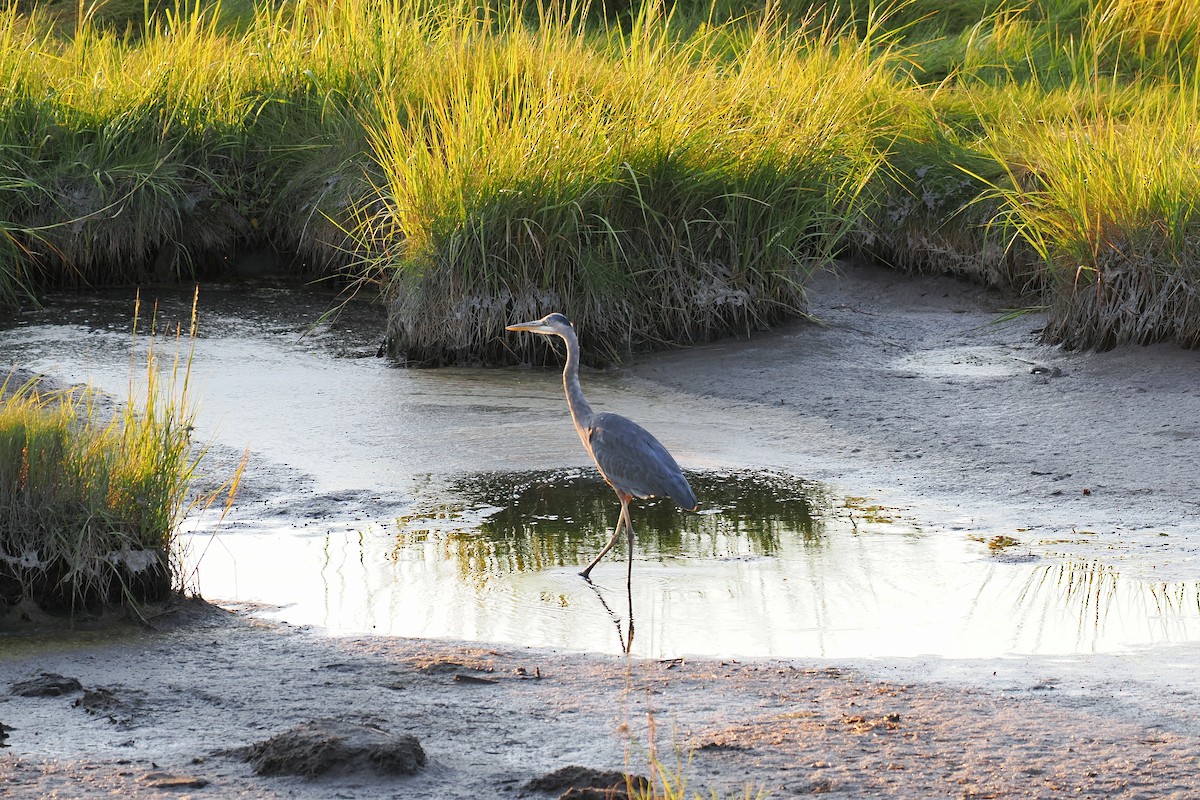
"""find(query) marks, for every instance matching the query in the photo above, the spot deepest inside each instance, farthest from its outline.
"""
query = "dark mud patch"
(107, 704)
(584, 783)
(47, 684)
(333, 747)
(25, 625)
(343, 505)
(169, 780)
(187, 611)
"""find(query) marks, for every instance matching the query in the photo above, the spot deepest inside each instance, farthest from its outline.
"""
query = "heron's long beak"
(533, 326)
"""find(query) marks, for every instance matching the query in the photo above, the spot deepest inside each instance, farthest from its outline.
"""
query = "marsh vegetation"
(92, 493)
(663, 174)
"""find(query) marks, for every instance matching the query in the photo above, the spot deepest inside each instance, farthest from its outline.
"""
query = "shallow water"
(458, 503)
(813, 576)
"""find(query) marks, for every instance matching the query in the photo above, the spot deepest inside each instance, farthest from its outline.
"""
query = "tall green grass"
(90, 502)
(1086, 166)
(1108, 200)
(663, 173)
(117, 156)
(655, 190)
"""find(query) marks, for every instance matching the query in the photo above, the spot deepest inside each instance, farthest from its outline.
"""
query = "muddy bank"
(906, 394)
(179, 705)
(920, 394)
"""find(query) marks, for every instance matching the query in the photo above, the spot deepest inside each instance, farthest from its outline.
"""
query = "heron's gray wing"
(633, 461)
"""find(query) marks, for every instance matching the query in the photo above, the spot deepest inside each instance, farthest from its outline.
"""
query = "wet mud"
(333, 747)
(1032, 728)
(578, 782)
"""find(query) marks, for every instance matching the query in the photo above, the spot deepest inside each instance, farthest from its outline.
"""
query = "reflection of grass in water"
(1092, 588)
(513, 522)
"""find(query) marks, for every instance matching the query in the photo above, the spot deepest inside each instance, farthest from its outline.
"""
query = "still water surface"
(436, 503)
(770, 566)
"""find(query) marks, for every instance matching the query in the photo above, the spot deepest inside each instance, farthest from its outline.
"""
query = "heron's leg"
(629, 577)
(629, 639)
(629, 569)
(624, 518)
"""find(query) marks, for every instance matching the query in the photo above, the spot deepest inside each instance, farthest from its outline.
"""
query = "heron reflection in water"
(631, 461)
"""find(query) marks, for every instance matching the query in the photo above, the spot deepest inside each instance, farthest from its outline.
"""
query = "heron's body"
(630, 459)
(634, 462)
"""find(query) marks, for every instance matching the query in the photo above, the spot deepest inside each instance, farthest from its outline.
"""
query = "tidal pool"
(769, 566)
(458, 504)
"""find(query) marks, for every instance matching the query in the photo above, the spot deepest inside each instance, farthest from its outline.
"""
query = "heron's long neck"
(581, 412)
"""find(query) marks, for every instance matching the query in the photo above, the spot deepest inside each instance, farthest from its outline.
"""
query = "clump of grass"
(654, 191)
(1109, 203)
(1163, 35)
(116, 153)
(1072, 127)
(89, 507)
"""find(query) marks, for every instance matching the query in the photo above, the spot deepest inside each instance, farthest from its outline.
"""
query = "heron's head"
(551, 324)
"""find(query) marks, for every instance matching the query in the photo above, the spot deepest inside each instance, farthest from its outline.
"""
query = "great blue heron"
(633, 462)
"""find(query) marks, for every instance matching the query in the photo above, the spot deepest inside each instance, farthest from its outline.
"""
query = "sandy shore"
(491, 719)
(907, 392)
